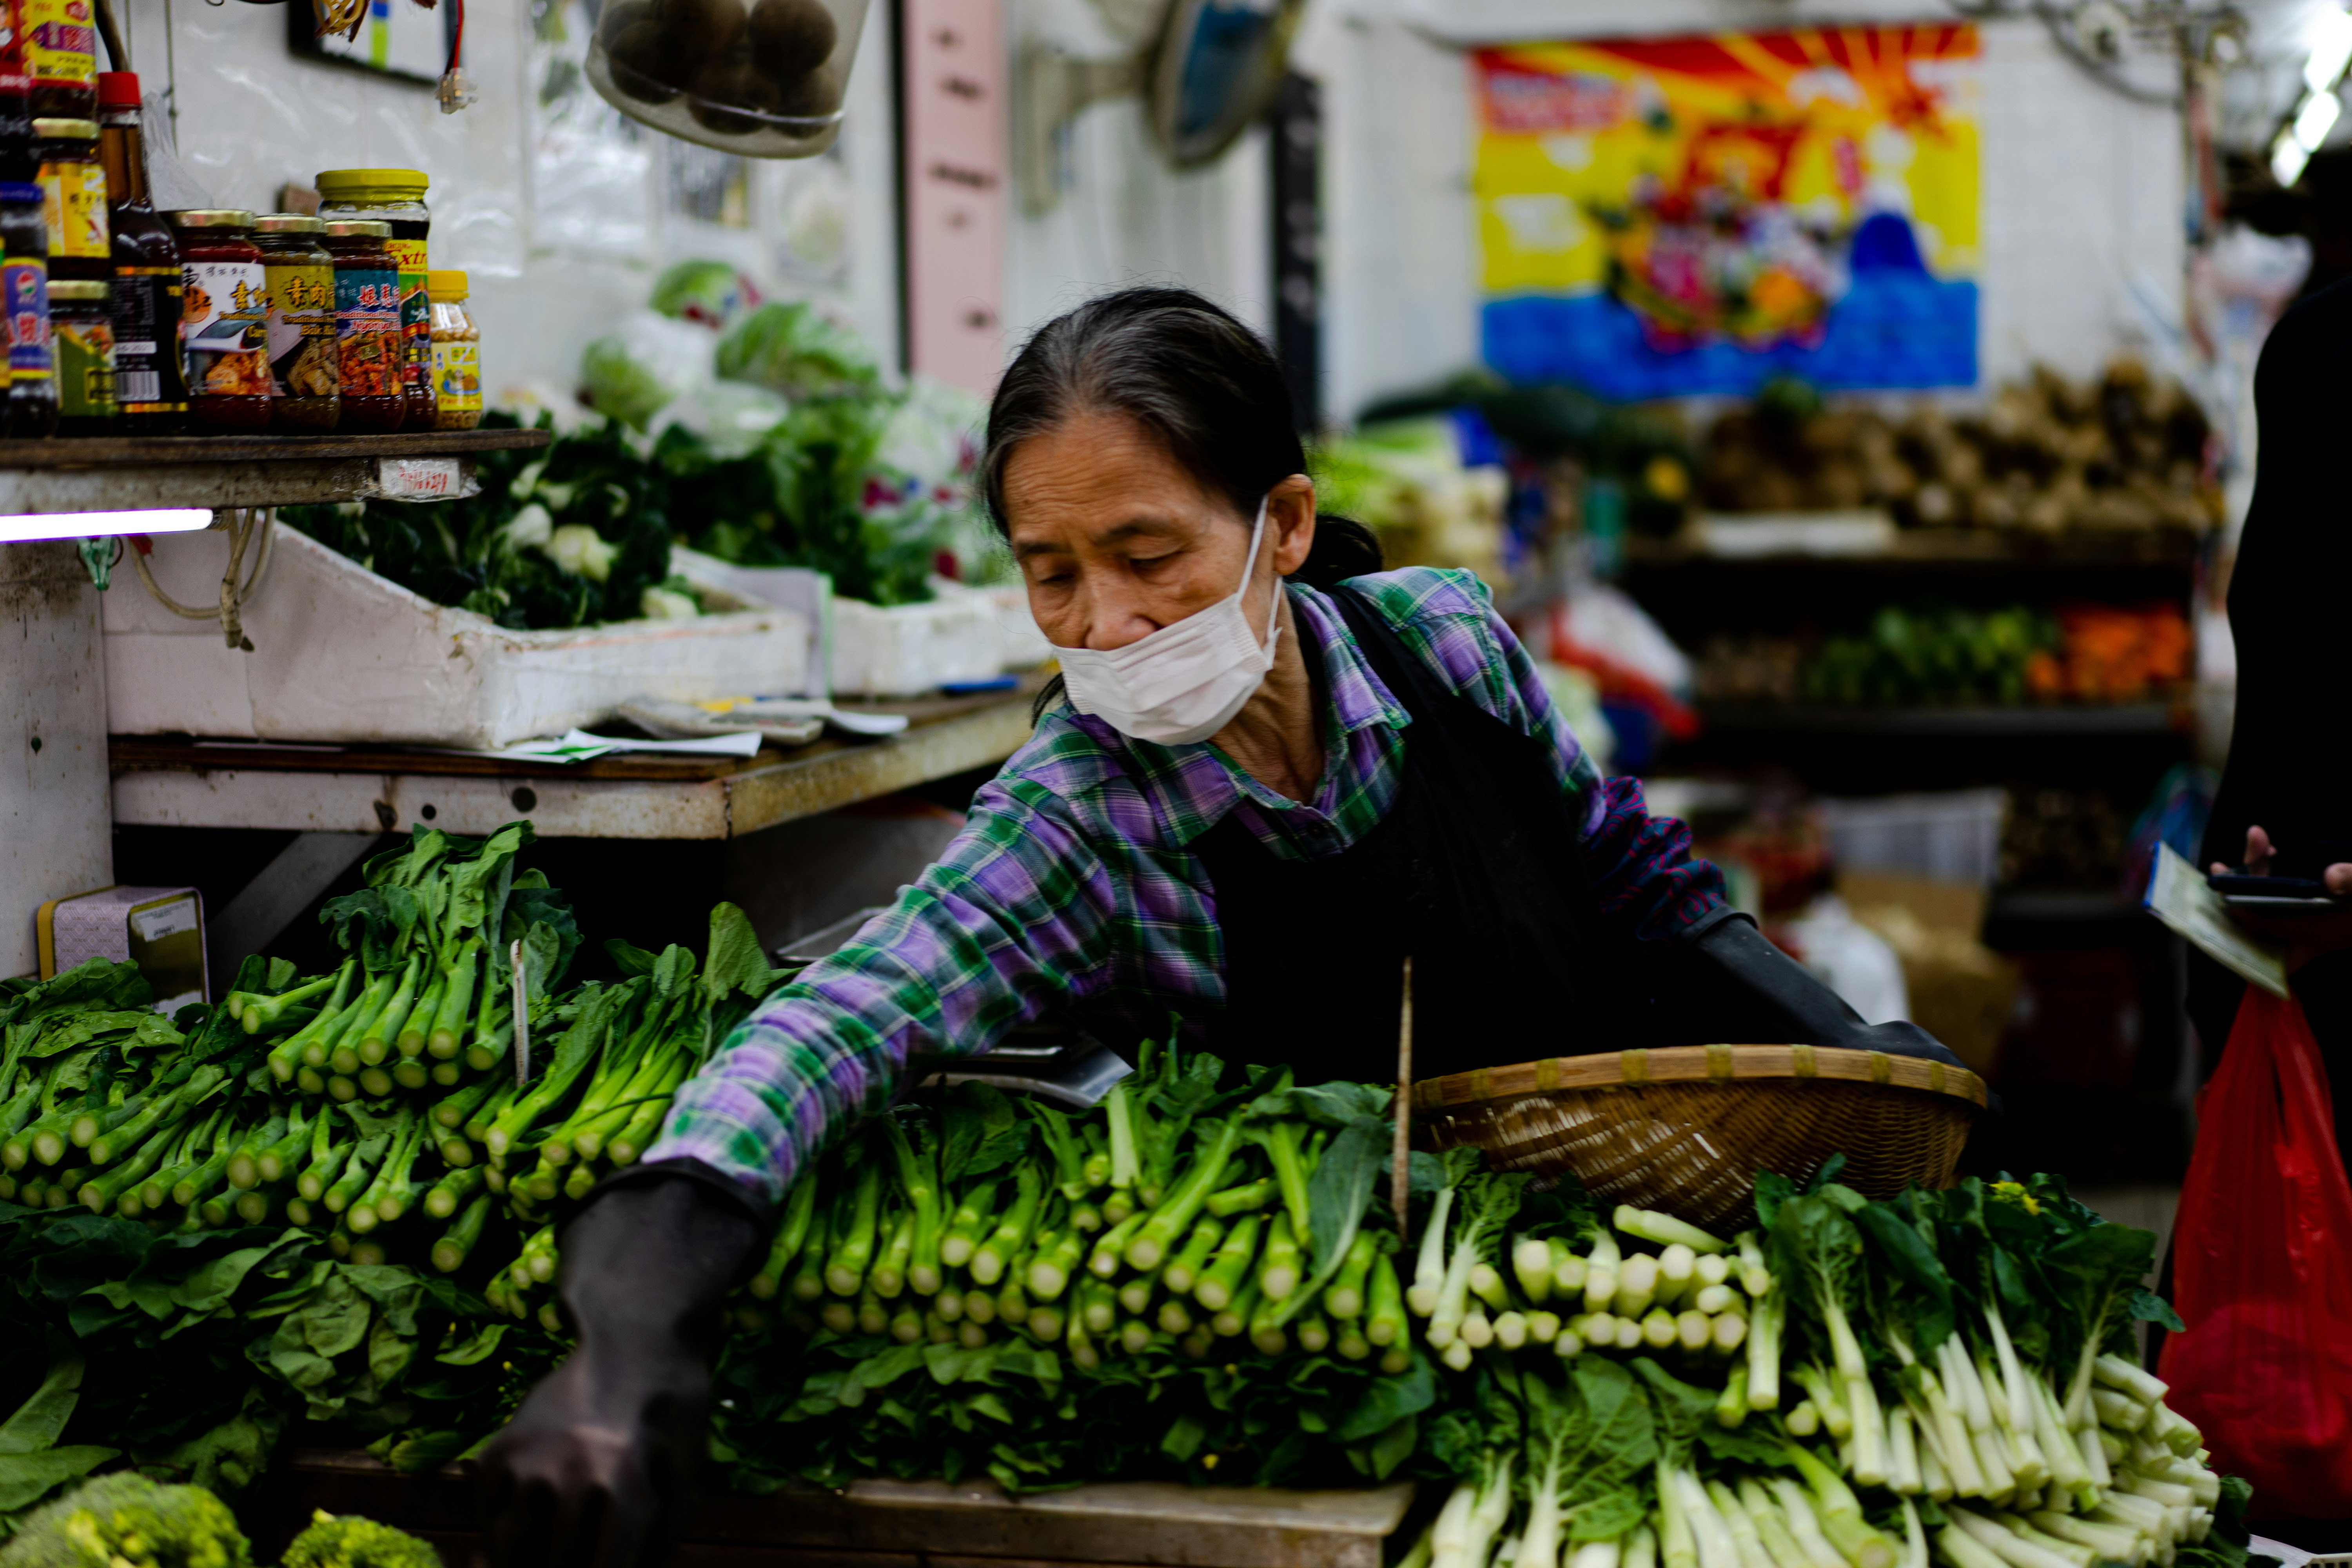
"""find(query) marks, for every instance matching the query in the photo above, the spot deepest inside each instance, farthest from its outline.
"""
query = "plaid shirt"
(1072, 885)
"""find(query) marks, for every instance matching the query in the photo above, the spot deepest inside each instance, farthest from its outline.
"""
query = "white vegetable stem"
(1429, 1269)
(1664, 1229)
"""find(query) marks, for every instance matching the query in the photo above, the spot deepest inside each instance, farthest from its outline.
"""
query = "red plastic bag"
(2261, 1271)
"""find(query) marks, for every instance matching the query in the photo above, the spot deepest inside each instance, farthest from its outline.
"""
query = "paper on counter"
(580, 746)
(690, 721)
(2181, 897)
(756, 709)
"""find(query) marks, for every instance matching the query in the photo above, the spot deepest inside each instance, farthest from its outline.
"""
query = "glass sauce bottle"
(81, 335)
(395, 196)
(305, 358)
(60, 43)
(457, 353)
(150, 382)
(224, 320)
(73, 183)
(367, 325)
(25, 287)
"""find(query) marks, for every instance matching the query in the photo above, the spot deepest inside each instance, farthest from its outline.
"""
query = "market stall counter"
(134, 472)
(165, 782)
(882, 1523)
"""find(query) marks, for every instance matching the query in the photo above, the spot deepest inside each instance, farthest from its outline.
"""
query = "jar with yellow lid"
(395, 196)
(457, 353)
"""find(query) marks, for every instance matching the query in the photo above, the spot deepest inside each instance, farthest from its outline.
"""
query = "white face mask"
(1185, 681)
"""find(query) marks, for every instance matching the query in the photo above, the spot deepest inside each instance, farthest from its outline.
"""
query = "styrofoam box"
(341, 653)
(904, 650)
(1955, 836)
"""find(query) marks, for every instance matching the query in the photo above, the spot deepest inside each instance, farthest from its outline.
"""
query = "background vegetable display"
(759, 434)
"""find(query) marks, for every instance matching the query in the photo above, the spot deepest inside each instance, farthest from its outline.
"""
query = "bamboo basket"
(1685, 1128)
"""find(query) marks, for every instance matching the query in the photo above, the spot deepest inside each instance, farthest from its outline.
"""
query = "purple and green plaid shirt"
(1073, 886)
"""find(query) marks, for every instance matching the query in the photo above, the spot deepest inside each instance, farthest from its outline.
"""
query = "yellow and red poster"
(1665, 216)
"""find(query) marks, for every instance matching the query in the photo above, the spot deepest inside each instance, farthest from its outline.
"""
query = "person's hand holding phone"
(2304, 935)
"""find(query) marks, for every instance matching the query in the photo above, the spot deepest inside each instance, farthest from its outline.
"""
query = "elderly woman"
(1277, 771)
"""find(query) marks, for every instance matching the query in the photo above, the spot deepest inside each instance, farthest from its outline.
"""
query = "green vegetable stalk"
(375, 1042)
(458, 1243)
(456, 1001)
(417, 1024)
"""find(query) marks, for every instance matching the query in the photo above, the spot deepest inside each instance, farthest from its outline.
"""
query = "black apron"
(1476, 871)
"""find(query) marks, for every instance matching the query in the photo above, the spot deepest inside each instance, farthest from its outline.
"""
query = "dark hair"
(1205, 386)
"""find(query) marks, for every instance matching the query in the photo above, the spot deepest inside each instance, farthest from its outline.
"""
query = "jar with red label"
(224, 319)
(373, 357)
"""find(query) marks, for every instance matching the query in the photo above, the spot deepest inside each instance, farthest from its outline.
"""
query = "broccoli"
(347, 1540)
(125, 1518)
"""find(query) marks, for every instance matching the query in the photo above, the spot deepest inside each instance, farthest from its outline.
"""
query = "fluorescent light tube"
(2288, 159)
(2316, 119)
(2331, 50)
(89, 524)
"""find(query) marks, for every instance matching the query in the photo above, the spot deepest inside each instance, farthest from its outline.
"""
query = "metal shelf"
(2054, 722)
(125, 473)
(1911, 550)
(187, 784)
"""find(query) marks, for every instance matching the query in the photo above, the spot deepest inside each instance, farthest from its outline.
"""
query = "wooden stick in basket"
(1400, 1176)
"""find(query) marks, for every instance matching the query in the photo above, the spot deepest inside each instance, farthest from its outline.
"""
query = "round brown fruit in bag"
(731, 98)
(791, 38)
(700, 30)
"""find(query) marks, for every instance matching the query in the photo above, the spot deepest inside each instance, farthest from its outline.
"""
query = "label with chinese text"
(304, 352)
(223, 328)
(60, 41)
(73, 204)
(416, 311)
(367, 327)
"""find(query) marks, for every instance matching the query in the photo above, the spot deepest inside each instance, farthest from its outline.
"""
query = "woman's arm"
(1016, 914)
(1641, 866)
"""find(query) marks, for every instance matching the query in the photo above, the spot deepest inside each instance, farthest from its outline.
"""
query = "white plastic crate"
(905, 650)
(343, 654)
(1955, 836)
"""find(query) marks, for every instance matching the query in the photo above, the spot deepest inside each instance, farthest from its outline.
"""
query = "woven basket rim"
(1725, 1064)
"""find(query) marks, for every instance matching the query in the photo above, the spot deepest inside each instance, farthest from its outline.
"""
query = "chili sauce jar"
(367, 325)
(305, 356)
(224, 319)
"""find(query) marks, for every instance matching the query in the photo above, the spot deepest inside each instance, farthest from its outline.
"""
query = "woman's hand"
(2305, 935)
(595, 1469)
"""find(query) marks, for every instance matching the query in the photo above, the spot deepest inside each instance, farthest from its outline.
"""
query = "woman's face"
(1115, 539)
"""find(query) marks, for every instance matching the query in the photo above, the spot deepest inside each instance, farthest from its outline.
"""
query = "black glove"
(595, 1469)
(1777, 1000)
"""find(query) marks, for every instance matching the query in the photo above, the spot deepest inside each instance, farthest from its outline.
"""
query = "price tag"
(421, 479)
